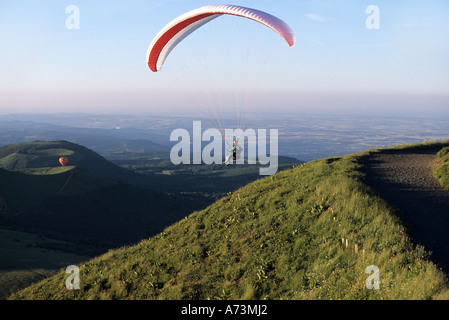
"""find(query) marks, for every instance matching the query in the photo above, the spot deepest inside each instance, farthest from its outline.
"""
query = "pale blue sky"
(44, 67)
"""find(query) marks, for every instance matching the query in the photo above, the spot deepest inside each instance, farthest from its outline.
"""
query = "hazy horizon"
(337, 63)
(305, 136)
(368, 103)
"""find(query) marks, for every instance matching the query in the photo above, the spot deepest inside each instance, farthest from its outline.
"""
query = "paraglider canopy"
(181, 27)
(63, 161)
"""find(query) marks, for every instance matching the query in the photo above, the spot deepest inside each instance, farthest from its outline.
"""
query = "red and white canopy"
(181, 27)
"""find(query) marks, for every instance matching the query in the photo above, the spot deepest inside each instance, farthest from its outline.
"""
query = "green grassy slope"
(306, 233)
(442, 172)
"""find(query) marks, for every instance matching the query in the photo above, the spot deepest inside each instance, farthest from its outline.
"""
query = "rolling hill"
(45, 154)
(307, 233)
(52, 212)
(89, 199)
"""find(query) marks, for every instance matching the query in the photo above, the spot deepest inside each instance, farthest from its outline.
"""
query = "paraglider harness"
(234, 149)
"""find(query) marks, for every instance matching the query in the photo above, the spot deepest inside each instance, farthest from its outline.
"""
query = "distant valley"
(305, 136)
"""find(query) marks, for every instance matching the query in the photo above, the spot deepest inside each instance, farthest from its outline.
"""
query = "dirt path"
(405, 179)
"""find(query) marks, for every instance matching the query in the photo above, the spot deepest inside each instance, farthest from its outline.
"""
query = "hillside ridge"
(306, 233)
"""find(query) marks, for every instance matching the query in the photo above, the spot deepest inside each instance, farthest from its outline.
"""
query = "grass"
(442, 172)
(306, 233)
(46, 170)
(33, 154)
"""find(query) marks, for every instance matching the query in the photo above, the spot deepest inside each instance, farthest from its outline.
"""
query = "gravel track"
(405, 179)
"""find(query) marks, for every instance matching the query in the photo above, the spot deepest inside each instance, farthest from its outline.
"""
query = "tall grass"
(307, 233)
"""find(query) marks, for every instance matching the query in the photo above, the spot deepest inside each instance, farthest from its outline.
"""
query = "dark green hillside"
(23, 191)
(28, 258)
(42, 154)
(80, 206)
(306, 233)
(81, 209)
(82, 202)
